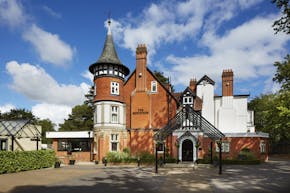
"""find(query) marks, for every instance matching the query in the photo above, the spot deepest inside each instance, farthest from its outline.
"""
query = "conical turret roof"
(109, 54)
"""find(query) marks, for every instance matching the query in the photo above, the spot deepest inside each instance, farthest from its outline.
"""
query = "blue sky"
(47, 46)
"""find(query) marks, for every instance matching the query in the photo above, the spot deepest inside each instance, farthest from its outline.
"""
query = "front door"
(187, 150)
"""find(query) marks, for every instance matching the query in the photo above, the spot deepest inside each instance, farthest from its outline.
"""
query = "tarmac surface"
(273, 176)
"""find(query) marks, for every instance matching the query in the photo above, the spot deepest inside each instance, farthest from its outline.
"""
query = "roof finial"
(109, 24)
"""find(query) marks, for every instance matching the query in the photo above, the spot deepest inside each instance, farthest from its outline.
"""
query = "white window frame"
(115, 88)
(114, 139)
(187, 100)
(225, 147)
(4, 144)
(154, 85)
(114, 113)
(262, 147)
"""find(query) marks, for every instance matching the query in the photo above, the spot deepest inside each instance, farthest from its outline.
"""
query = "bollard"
(105, 161)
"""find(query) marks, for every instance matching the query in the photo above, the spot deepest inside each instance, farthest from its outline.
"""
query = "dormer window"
(153, 86)
(187, 100)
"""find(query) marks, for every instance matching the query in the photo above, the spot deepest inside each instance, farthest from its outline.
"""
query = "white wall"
(250, 121)
(102, 115)
(231, 114)
(206, 92)
(21, 144)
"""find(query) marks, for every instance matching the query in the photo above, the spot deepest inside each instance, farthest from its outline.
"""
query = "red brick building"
(140, 111)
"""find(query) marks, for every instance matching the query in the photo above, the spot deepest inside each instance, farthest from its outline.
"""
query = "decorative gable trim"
(186, 134)
(188, 90)
(207, 79)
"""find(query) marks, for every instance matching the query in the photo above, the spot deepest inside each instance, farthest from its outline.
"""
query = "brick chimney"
(227, 82)
(192, 84)
(141, 61)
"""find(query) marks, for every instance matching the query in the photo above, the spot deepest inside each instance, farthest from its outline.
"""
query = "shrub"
(146, 157)
(119, 157)
(127, 150)
(206, 160)
(246, 154)
(16, 161)
(170, 159)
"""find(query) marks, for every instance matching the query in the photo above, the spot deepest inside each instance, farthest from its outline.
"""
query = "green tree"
(283, 23)
(18, 114)
(272, 111)
(160, 76)
(261, 106)
(90, 98)
(81, 119)
(282, 75)
(164, 80)
(272, 116)
(46, 125)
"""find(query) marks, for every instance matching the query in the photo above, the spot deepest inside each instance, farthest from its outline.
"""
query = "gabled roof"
(206, 78)
(166, 89)
(16, 128)
(188, 90)
(197, 105)
(177, 95)
(170, 93)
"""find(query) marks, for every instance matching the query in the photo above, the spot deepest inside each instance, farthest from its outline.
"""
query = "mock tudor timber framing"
(196, 122)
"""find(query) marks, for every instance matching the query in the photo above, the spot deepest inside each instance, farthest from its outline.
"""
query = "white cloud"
(159, 25)
(36, 84)
(249, 49)
(174, 21)
(49, 46)
(56, 113)
(51, 12)
(88, 75)
(248, 3)
(270, 86)
(6, 108)
(11, 13)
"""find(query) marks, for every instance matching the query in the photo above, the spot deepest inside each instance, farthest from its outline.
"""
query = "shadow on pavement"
(273, 176)
(114, 180)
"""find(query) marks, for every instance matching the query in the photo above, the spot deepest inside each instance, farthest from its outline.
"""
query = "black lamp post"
(156, 158)
(90, 145)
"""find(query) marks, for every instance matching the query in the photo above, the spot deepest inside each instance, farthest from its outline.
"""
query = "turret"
(109, 72)
(110, 108)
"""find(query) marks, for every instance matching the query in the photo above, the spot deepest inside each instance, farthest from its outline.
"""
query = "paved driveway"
(273, 176)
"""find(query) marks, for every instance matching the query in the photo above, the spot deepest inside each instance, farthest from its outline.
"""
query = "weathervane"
(109, 23)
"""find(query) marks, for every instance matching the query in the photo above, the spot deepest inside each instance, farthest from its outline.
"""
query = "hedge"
(16, 161)
(119, 157)
(125, 157)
